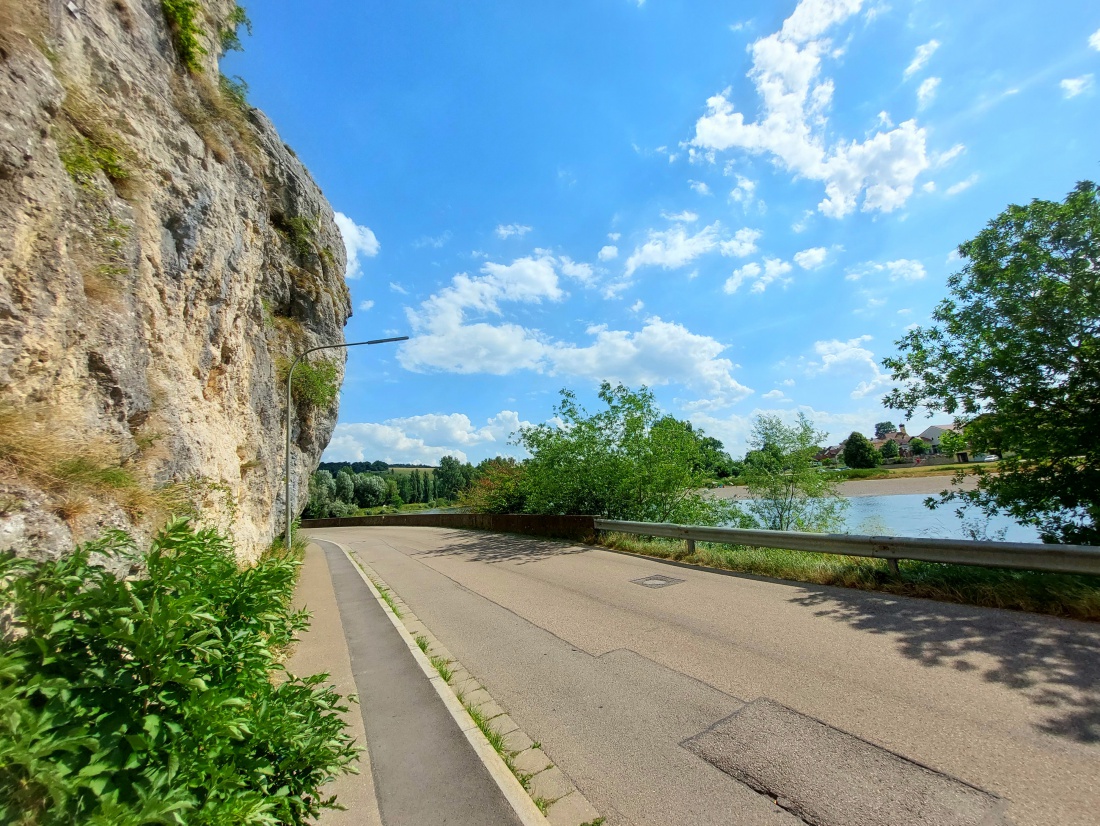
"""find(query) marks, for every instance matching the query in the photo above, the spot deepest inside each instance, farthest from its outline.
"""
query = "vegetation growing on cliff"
(152, 699)
(183, 23)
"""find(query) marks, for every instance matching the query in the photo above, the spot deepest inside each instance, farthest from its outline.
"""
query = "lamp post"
(289, 411)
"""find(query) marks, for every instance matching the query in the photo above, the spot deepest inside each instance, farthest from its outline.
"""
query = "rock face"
(163, 256)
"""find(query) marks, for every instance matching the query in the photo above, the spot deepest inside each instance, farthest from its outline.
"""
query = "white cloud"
(742, 244)
(420, 439)
(637, 306)
(774, 394)
(744, 191)
(700, 187)
(812, 258)
(1094, 40)
(849, 357)
(614, 236)
(673, 248)
(358, 241)
(508, 230)
(904, 269)
(773, 269)
(397, 288)
(573, 269)
(944, 158)
(608, 253)
(787, 382)
(364, 306)
(660, 353)
(793, 126)
(448, 338)
(929, 186)
(685, 217)
(965, 184)
(1074, 86)
(926, 93)
(740, 276)
(734, 430)
(921, 57)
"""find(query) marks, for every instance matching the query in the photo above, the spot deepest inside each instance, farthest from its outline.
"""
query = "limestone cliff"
(162, 256)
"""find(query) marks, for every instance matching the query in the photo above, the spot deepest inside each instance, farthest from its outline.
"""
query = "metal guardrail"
(1065, 559)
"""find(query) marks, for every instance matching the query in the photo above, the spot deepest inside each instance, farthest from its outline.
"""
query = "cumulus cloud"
(637, 306)
(744, 192)
(774, 394)
(904, 269)
(508, 230)
(359, 242)
(924, 52)
(1094, 40)
(849, 357)
(1074, 86)
(700, 187)
(734, 430)
(421, 439)
(365, 305)
(761, 276)
(573, 269)
(962, 185)
(742, 244)
(793, 125)
(453, 335)
(812, 258)
(608, 253)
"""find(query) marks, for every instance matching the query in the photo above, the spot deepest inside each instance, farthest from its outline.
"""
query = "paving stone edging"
(565, 804)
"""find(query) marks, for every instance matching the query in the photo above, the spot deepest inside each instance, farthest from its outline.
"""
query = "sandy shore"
(871, 487)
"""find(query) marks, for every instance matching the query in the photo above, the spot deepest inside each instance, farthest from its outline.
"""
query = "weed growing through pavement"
(385, 593)
(422, 643)
(441, 664)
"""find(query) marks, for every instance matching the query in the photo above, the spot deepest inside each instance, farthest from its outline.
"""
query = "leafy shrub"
(316, 383)
(151, 700)
(235, 90)
(230, 34)
(180, 15)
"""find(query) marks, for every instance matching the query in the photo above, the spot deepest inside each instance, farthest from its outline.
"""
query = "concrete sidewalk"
(419, 767)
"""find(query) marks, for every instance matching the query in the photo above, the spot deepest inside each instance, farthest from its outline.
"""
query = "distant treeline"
(367, 467)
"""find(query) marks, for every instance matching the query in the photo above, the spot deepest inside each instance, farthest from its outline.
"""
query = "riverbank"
(871, 487)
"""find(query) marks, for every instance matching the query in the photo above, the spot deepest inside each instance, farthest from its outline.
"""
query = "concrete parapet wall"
(577, 528)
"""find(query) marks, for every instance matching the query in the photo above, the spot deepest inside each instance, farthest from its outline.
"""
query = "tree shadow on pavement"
(478, 546)
(1054, 663)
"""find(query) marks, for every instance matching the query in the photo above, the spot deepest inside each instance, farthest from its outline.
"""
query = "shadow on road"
(495, 547)
(1054, 663)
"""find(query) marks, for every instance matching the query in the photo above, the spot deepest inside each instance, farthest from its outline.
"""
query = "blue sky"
(741, 205)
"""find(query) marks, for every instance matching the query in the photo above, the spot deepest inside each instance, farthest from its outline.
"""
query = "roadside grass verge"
(1060, 595)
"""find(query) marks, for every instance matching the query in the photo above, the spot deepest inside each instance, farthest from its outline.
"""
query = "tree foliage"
(628, 461)
(498, 487)
(787, 491)
(151, 699)
(953, 442)
(860, 453)
(917, 446)
(882, 428)
(890, 450)
(1014, 354)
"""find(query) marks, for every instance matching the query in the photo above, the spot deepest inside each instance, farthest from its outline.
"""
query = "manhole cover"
(656, 581)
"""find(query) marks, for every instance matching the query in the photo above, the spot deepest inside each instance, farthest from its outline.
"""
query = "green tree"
(953, 442)
(451, 477)
(345, 486)
(498, 487)
(890, 450)
(1014, 354)
(628, 461)
(882, 428)
(786, 490)
(860, 453)
(322, 493)
(370, 490)
(917, 446)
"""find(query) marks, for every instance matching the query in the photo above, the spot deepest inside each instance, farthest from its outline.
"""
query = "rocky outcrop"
(163, 255)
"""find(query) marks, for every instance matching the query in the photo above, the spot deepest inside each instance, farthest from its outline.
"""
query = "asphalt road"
(733, 699)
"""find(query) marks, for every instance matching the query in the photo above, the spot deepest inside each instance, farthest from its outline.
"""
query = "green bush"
(181, 15)
(152, 699)
(316, 383)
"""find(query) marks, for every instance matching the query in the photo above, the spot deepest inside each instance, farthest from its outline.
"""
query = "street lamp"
(289, 410)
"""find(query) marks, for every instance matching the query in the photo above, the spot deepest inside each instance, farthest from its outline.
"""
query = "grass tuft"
(442, 665)
(1061, 595)
(387, 597)
(422, 643)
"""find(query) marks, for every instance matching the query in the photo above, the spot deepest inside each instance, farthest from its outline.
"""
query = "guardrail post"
(690, 547)
(893, 563)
